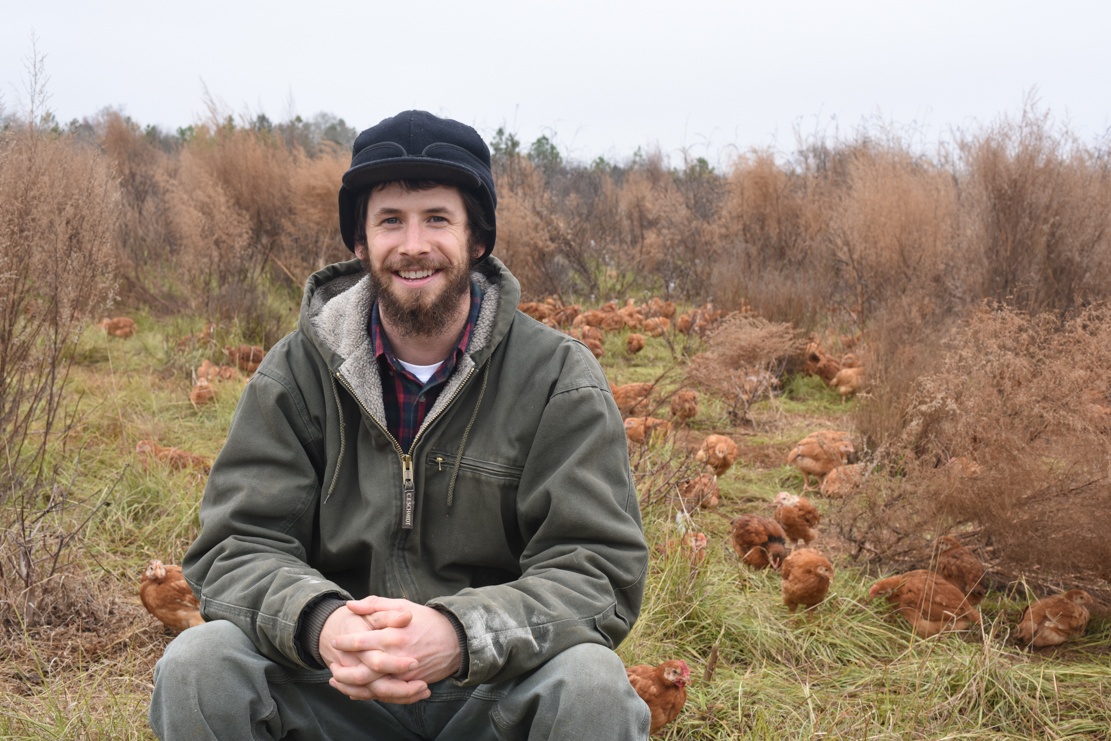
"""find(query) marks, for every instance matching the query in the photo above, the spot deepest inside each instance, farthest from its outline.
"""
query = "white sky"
(599, 77)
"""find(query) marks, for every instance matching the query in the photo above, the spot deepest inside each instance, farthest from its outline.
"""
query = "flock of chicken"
(932, 601)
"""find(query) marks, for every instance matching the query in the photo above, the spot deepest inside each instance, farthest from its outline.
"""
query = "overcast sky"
(599, 77)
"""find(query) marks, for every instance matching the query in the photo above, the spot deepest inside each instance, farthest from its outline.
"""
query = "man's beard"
(421, 313)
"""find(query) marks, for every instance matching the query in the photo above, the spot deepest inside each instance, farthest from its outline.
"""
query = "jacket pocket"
(438, 462)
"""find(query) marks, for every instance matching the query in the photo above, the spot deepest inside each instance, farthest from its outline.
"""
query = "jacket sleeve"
(585, 559)
(249, 563)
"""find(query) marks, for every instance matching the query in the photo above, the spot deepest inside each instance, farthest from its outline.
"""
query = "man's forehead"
(397, 196)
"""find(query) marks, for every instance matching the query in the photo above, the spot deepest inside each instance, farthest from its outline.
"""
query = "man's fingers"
(368, 605)
(385, 690)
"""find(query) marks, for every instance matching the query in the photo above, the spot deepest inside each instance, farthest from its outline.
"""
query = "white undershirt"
(422, 372)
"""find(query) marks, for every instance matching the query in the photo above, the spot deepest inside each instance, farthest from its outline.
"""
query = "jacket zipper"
(408, 484)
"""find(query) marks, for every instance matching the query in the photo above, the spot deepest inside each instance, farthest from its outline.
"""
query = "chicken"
(212, 372)
(718, 452)
(634, 343)
(759, 541)
(663, 688)
(797, 516)
(246, 357)
(691, 544)
(656, 326)
(848, 381)
(1053, 620)
(820, 363)
(842, 481)
(927, 601)
(807, 575)
(631, 398)
(700, 492)
(640, 430)
(168, 597)
(202, 392)
(177, 459)
(684, 405)
(819, 453)
(120, 326)
(961, 568)
(596, 347)
(190, 341)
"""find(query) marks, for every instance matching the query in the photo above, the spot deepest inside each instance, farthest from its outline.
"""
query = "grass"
(845, 670)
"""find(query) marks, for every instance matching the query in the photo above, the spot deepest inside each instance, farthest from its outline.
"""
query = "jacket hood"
(336, 308)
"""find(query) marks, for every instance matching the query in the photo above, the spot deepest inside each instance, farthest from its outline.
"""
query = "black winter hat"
(415, 145)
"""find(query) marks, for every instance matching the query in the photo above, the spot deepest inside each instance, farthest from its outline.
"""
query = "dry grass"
(848, 237)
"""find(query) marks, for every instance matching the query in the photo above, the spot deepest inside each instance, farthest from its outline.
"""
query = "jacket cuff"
(313, 617)
(461, 634)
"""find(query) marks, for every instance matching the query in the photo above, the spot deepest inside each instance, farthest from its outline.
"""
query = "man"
(424, 503)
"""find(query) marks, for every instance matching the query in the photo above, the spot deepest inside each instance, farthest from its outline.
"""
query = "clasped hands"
(388, 649)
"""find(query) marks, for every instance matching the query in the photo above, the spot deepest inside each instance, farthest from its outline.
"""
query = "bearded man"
(424, 503)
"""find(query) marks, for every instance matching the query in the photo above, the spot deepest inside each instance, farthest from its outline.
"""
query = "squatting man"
(424, 503)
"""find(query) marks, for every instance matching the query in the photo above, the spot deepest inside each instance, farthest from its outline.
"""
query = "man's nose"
(413, 242)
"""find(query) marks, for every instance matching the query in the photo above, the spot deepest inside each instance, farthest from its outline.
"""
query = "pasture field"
(845, 671)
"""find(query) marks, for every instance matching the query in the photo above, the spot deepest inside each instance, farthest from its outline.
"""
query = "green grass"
(844, 671)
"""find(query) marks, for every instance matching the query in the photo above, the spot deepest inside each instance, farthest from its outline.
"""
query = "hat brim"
(409, 168)
(361, 177)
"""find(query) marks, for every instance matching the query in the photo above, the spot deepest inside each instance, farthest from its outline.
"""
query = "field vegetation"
(973, 283)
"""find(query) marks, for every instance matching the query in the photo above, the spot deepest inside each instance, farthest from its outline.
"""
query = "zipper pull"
(439, 463)
(408, 492)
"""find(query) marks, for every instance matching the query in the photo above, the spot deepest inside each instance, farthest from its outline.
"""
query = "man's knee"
(194, 652)
(586, 668)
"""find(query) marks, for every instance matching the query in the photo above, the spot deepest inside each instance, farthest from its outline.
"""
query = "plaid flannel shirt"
(407, 399)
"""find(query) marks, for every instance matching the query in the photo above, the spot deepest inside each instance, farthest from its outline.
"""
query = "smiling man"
(424, 503)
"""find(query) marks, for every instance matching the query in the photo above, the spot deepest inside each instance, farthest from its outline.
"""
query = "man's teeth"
(415, 274)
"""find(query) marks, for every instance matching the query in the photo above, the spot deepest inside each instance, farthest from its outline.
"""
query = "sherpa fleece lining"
(340, 315)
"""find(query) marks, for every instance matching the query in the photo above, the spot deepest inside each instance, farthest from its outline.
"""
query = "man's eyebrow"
(390, 210)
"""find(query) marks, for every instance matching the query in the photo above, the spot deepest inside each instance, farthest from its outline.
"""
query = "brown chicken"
(797, 517)
(842, 481)
(927, 601)
(819, 453)
(120, 326)
(692, 545)
(177, 459)
(684, 405)
(168, 597)
(213, 373)
(718, 452)
(820, 363)
(700, 492)
(849, 381)
(246, 357)
(807, 575)
(202, 393)
(640, 430)
(631, 398)
(190, 341)
(1053, 620)
(634, 343)
(961, 568)
(759, 541)
(663, 688)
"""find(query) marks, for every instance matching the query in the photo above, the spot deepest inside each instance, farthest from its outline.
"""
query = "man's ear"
(361, 251)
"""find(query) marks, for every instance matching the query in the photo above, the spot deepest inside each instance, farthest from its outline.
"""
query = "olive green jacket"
(514, 510)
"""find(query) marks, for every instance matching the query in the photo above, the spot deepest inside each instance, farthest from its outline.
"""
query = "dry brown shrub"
(890, 232)
(313, 240)
(1017, 401)
(1036, 212)
(59, 206)
(746, 356)
(530, 234)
